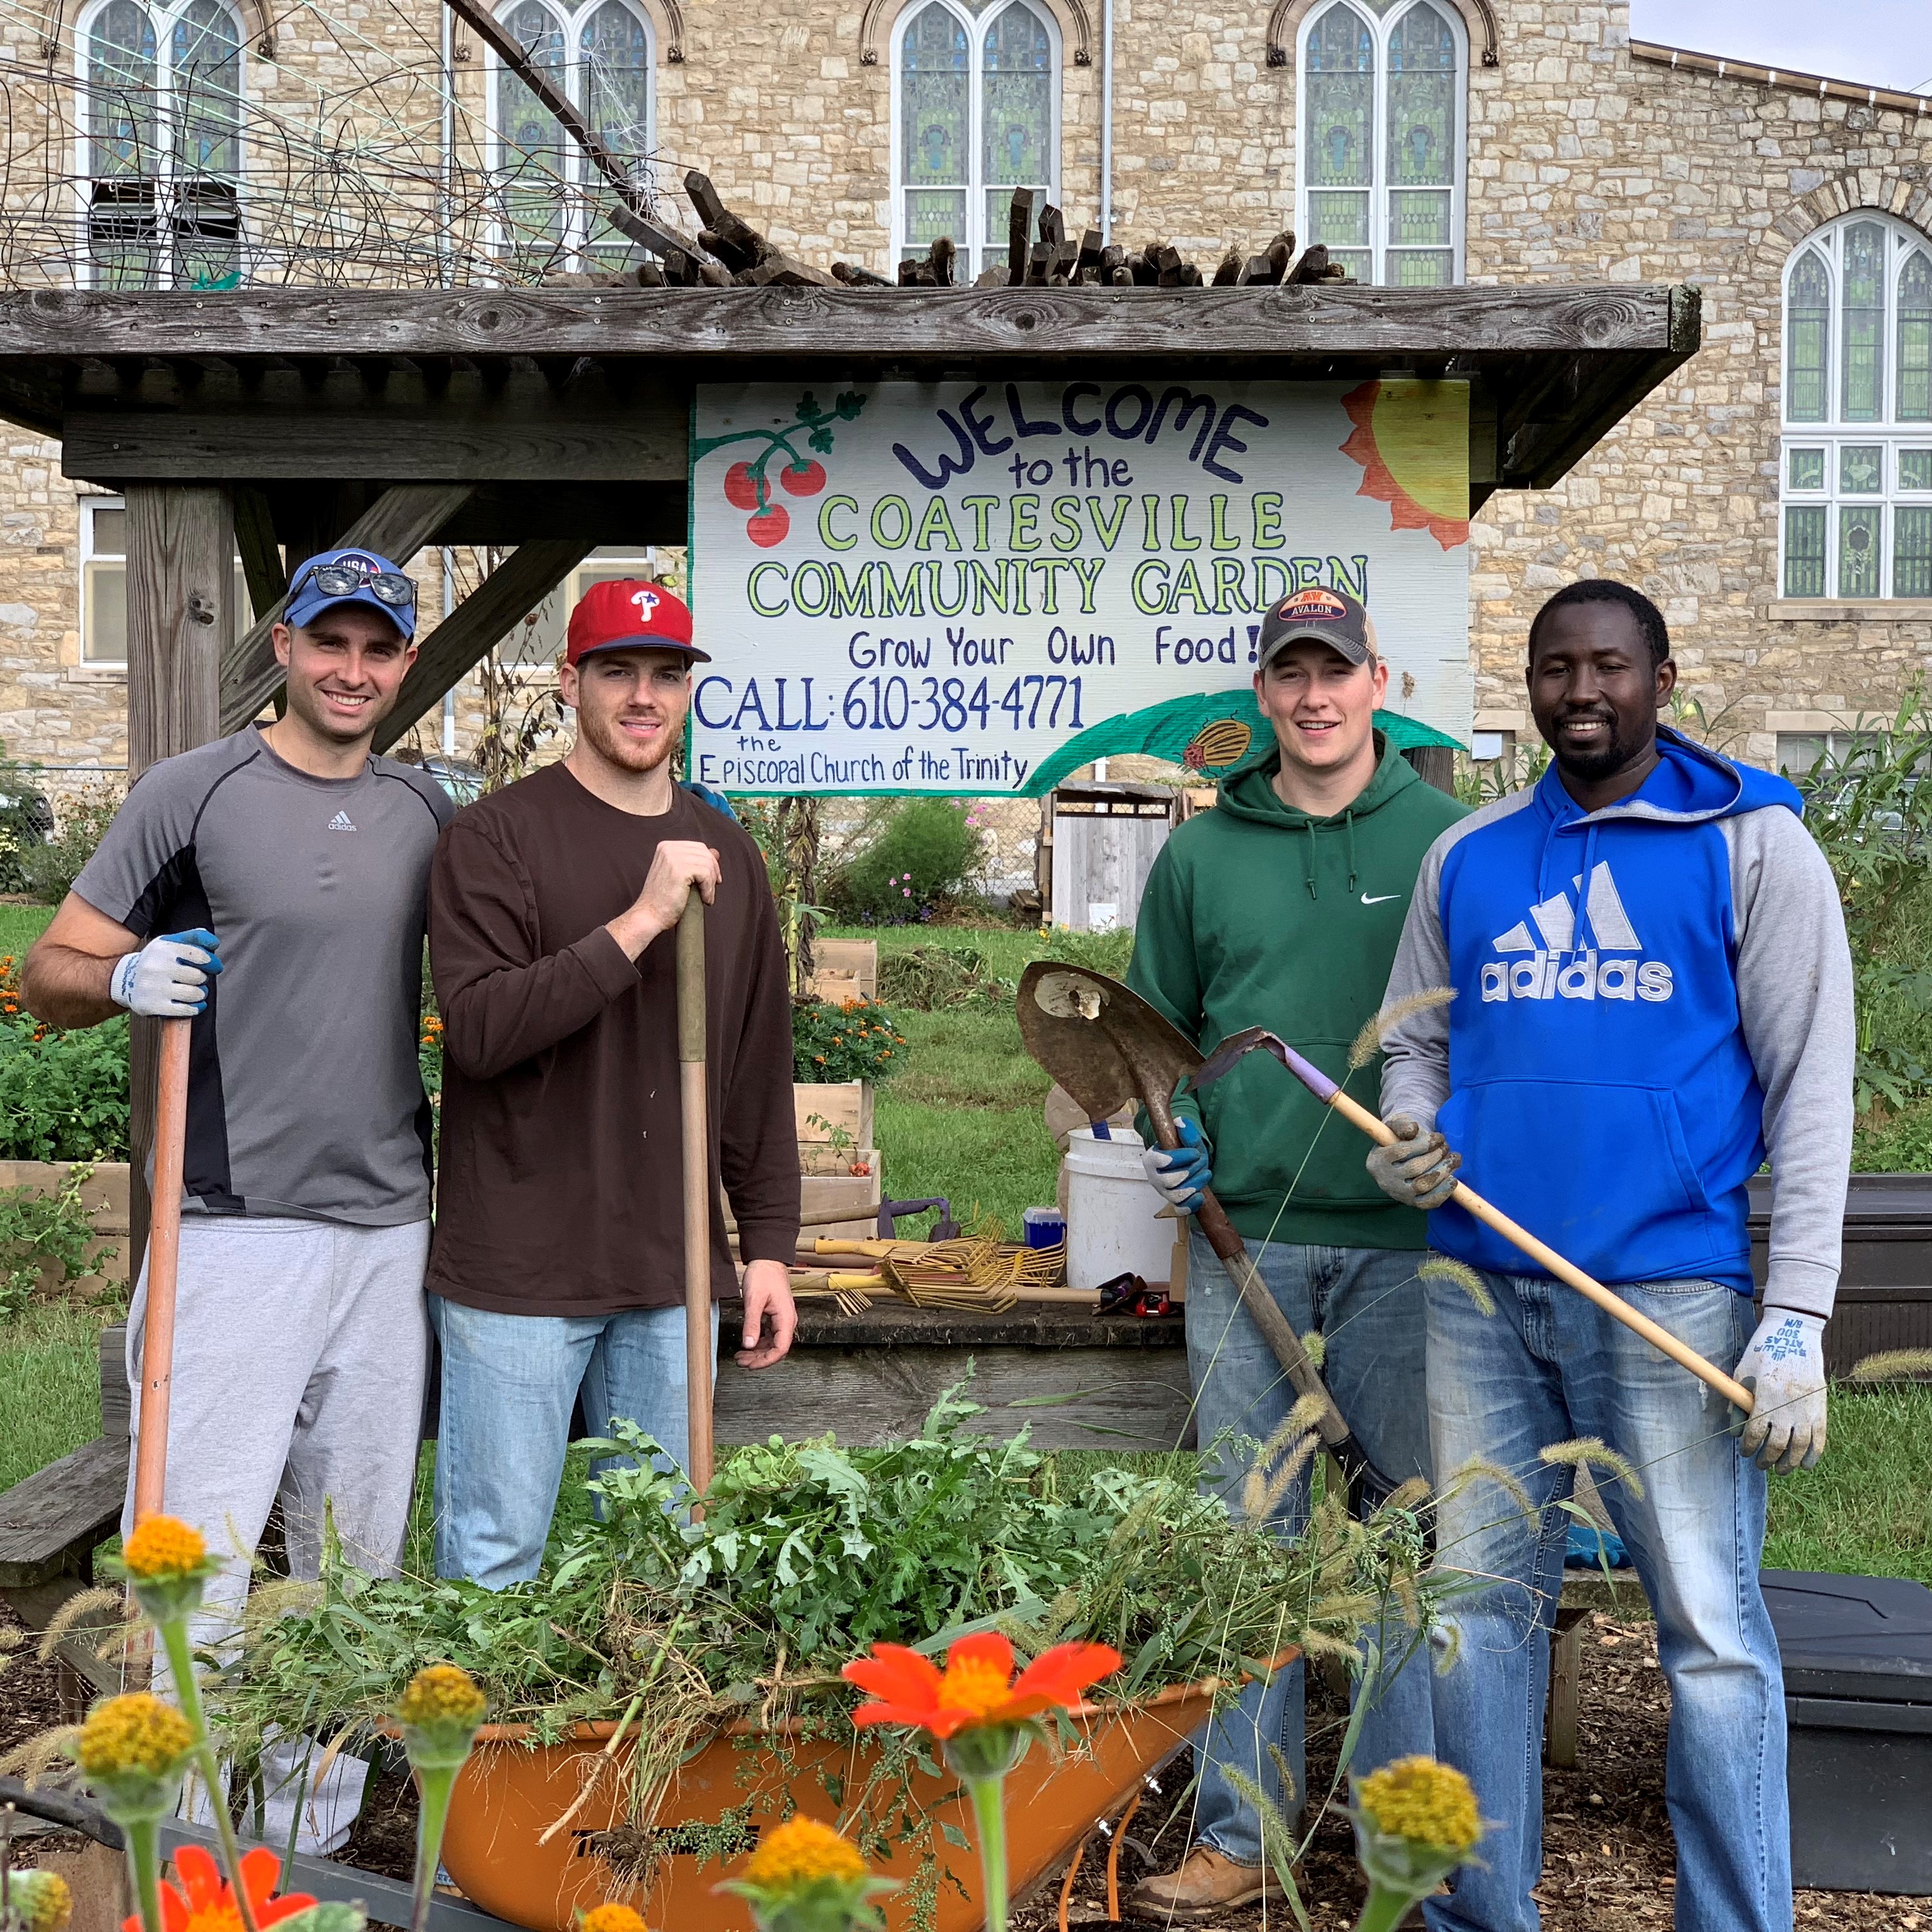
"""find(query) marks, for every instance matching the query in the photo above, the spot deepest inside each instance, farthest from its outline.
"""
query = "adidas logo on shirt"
(1547, 963)
(341, 822)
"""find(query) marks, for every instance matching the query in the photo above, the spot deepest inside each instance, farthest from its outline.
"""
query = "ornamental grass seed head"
(806, 1877)
(438, 1714)
(40, 1901)
(132, 1750)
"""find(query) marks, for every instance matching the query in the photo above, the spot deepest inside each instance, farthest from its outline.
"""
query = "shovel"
(1258, 1038)
(699, 1350)
(157, 1336)
(1106, 1046)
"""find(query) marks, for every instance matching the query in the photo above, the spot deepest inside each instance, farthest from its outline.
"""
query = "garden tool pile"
(964, 1275)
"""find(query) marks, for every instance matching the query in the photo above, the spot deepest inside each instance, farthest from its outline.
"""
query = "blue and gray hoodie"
(1648, 999)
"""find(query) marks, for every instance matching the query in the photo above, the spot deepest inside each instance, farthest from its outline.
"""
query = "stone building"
(1775, 496)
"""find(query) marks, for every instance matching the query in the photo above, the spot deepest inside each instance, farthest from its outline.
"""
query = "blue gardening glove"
(716, 800)
(1182, 1173)
(1419, 1170)
(1784, 1369)
(167, 979)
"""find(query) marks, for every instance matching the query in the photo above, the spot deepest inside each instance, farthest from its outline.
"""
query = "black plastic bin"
(1858, 1702)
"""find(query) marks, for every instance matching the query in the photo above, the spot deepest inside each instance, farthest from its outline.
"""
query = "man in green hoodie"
(1282, 908)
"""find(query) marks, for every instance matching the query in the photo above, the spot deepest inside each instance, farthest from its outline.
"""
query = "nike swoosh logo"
(1381, 898)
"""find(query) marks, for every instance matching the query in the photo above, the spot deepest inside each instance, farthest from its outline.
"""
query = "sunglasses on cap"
(344, 580)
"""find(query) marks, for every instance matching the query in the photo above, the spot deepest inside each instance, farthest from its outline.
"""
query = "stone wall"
(1584, 164)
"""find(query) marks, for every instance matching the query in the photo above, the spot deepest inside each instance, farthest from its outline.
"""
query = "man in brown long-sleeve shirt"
(558, 1256)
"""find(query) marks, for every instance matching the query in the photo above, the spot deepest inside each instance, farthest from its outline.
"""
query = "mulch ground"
(1608, 1861)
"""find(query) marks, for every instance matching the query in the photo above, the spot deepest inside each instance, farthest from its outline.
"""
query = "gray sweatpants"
(300, 1352)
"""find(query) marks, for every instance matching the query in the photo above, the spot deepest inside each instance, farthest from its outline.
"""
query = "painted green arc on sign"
(1166, 730)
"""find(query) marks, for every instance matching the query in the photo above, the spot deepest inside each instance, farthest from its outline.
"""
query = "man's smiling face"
(1594, 689)
(1322, 707)
(630, 703)
(345, 668)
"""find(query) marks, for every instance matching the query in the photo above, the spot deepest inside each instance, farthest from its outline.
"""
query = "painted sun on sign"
(1412, 441)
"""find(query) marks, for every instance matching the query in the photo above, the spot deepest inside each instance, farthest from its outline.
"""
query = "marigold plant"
(806, 1877)
(611, 1918)
(40, 1901)
(1417, 1822)
(163, 1547)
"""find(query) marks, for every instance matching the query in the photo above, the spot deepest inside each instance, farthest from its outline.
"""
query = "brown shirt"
(559, 1188)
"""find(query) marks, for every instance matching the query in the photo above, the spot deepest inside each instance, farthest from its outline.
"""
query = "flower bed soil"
(1613, 1799)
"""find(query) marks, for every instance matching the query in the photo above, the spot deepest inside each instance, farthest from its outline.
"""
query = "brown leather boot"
(1206, 1885)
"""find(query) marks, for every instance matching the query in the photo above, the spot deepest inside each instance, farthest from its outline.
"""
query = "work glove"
(1784, 1369)
(1182, 1173)
(167, 979)
(1418, 1169)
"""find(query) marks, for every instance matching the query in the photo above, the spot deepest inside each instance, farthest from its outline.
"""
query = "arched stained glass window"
(1807, 339)
(162, 145)
(1380, 119)
(977, 97)
(1915, 338)
(935, 114)
(598, 54)
(1856, 470)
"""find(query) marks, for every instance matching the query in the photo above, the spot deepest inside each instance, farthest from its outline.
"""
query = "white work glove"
(1419, 1170)
(167, 979)
(1182, 1173)
(1784, 1369)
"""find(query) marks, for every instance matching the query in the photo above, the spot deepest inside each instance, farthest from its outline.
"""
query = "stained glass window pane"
(207, 95)
(1915, 339)
(1422, 99)
(1807, 339)
(121, 91)
(1808, 469)
(533, 157)
(616, 52)
(1338, 102)
(1858, 527)
(1420, 219)
(1861, 470)
(1018, 102)
(1864, 312)
(1912, 553)
(1915, 469)
(1805, 550)
(1421, 268)
(934, 146)
(1339, 220)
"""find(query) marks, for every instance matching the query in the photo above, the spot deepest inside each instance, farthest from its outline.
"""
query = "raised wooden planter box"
(826, 1187)
(844, 1105)
(844, 969)
(105, 1198)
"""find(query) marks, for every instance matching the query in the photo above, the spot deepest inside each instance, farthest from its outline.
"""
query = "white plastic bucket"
(1111, 1210)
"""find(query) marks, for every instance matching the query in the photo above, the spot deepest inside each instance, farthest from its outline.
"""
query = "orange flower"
(204, 1903)
(977, 1687)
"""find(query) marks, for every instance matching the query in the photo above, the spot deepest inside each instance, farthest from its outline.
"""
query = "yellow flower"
(441, 1693)
(611, 1919)
(136, 1732)
(41, 1901)
(1426, 1803)
(163, 1548)
(802, 1852)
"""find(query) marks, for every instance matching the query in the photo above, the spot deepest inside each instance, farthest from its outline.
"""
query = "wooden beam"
(261, 554)
(396, 525)
(745, 329)
(181, 574)
(516, 587)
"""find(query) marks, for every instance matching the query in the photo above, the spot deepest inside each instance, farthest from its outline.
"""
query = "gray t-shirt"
(304, 1095)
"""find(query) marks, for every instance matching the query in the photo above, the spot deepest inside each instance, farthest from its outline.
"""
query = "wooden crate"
(843, 1103)
(844, 969)
(859, 1192)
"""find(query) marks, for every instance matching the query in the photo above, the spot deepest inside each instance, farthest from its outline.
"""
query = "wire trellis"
(367, 157)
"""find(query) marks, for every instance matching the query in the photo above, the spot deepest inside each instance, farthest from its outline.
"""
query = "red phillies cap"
(631, 614)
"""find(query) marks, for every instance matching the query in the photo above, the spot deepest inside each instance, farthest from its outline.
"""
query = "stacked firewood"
(1039, 253)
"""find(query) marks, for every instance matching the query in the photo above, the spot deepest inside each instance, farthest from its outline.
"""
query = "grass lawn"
(49, 1385)
(20, 925)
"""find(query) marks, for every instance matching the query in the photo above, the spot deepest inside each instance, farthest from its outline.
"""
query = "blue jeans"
(1547, 1367)
(509, 1383)
(1367, 1302)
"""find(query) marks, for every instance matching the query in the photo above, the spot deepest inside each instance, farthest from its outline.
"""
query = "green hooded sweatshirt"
(1259, 915)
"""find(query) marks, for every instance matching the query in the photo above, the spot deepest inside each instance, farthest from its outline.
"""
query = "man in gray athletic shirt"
(294, 866)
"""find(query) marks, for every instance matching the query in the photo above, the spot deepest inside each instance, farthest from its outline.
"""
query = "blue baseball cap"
(337, 577)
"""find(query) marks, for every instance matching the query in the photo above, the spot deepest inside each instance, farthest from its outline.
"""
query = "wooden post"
(181, 574)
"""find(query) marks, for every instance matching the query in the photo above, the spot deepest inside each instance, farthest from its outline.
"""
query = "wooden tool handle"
(157, 1334)
(1276, 1329)
(699, 1350)
(1552, 1263)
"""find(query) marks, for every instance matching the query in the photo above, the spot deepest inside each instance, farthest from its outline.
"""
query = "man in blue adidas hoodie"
(1652, 993)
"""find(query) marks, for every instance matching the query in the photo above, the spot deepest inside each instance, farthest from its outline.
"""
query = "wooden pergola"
(277, 422)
